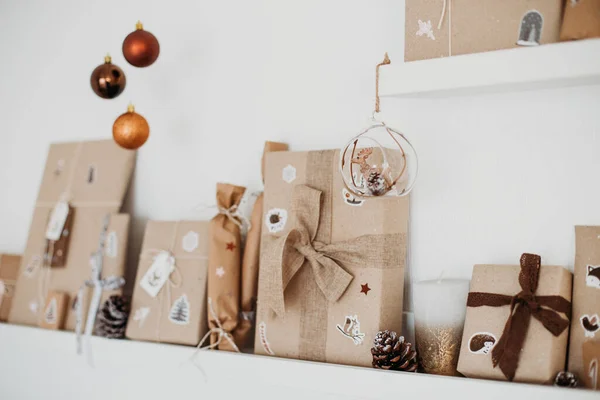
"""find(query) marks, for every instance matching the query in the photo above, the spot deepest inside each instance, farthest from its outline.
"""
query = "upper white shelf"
(36, 363)
(543, 67)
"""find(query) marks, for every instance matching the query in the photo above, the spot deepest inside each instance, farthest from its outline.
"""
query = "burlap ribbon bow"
(287, 254)
(523, 306)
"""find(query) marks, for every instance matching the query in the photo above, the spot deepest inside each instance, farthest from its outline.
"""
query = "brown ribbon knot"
(288, 253)
(523, 306)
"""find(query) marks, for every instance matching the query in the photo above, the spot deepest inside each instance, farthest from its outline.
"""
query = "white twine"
(447, 4)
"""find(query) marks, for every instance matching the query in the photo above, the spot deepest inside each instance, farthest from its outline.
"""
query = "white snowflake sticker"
(289, 174)
(111, 245)
(276, 219)
(190, 241)
(425, 29)
(140, 315)
(180, 312)
(220, 272)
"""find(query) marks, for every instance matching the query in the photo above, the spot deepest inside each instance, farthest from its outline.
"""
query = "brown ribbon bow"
(287, 254)
(523, 306)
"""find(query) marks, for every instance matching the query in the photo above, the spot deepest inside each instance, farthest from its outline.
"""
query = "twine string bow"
(523, 306)
(288, 253)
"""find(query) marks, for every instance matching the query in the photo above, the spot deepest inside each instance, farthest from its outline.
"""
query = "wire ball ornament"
(379, 161)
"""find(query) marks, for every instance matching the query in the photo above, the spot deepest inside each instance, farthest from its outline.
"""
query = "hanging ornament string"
(386, 61)
(447, 5)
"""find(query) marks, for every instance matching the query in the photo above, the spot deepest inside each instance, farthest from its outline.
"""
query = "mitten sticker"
(590, 324)
(482, 343)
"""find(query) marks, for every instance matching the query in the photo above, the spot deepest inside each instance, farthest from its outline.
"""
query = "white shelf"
(36, 361)
(543, 67)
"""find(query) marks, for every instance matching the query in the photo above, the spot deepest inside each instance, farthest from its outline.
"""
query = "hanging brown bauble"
(140, 47)
(131, 130)
(108, 81)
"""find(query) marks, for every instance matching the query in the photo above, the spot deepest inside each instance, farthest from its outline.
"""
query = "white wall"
(500, 174)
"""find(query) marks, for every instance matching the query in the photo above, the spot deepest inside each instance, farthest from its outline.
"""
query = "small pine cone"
(566, 379)
(390, 351)
(376, 184)
(112, 317)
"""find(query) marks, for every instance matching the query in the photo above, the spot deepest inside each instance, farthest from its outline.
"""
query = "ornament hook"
(386, 61)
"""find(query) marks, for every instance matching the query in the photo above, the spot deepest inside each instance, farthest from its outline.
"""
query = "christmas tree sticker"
(180, 312)
(50, 313)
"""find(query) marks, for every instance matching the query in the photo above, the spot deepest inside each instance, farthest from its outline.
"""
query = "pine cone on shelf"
(112, 317)
(390, 351)
(566, 379)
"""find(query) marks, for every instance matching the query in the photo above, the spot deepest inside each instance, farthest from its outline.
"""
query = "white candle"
(439, 309)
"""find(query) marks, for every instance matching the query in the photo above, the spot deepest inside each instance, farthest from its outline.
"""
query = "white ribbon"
(448, 5)
(99, 285)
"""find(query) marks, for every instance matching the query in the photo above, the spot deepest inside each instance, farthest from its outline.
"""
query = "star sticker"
(230, 246)
(365, 288)
(220, 272)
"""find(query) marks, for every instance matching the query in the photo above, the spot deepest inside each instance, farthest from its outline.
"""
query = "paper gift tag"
(158, 273)
(57, 220)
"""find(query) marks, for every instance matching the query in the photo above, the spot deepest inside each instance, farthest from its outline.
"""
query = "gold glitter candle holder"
(440, 307)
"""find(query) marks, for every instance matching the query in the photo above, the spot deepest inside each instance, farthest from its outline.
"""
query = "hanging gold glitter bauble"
(131, 130)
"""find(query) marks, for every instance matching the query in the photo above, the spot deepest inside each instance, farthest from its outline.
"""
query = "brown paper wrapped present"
(91, 178)
(517, 320)
(591, 362)
(581, 20)
(244, 333)
(224, 266)
(332, 266)
(175, 312)
(442, 28)
(585, 325)
(9, 270)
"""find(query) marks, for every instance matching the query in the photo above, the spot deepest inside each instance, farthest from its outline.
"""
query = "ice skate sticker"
(140, 315)
(482, 343)
(262, 332)
(158, 273)
(50, 313)
(276, 219)
(190, 241)
(289, 173)
(32, 266)
(350, 199)
(592, 276)
(425, 29)
(351, 329)
(112, 245)
(593, 374)
(180, 312)
(530, 31)
(590, 324)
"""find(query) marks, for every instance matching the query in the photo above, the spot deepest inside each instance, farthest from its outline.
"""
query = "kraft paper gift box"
(473, 26)
(581, 20)
(528, 343)
(585, 325)
(92, 178)
(177, 313)
(9, 269)
(331, 268)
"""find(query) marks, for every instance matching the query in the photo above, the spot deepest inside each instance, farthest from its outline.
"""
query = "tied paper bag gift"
(169, 297)
(81, 184)
(581, 20)
(517, 320)
(35, 281)
(332, 266)
(9, 269)
(585, 325)
(442, 28)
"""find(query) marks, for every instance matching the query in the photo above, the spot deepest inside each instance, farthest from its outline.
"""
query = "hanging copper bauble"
(131, 130)
(108, 81)
(140, 47)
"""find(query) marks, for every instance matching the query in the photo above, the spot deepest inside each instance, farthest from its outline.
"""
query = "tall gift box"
(91, 178)
(332, 266)
(517, 320)
(585, 326)
(442, 28)
(9, 269)
(169, 297)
